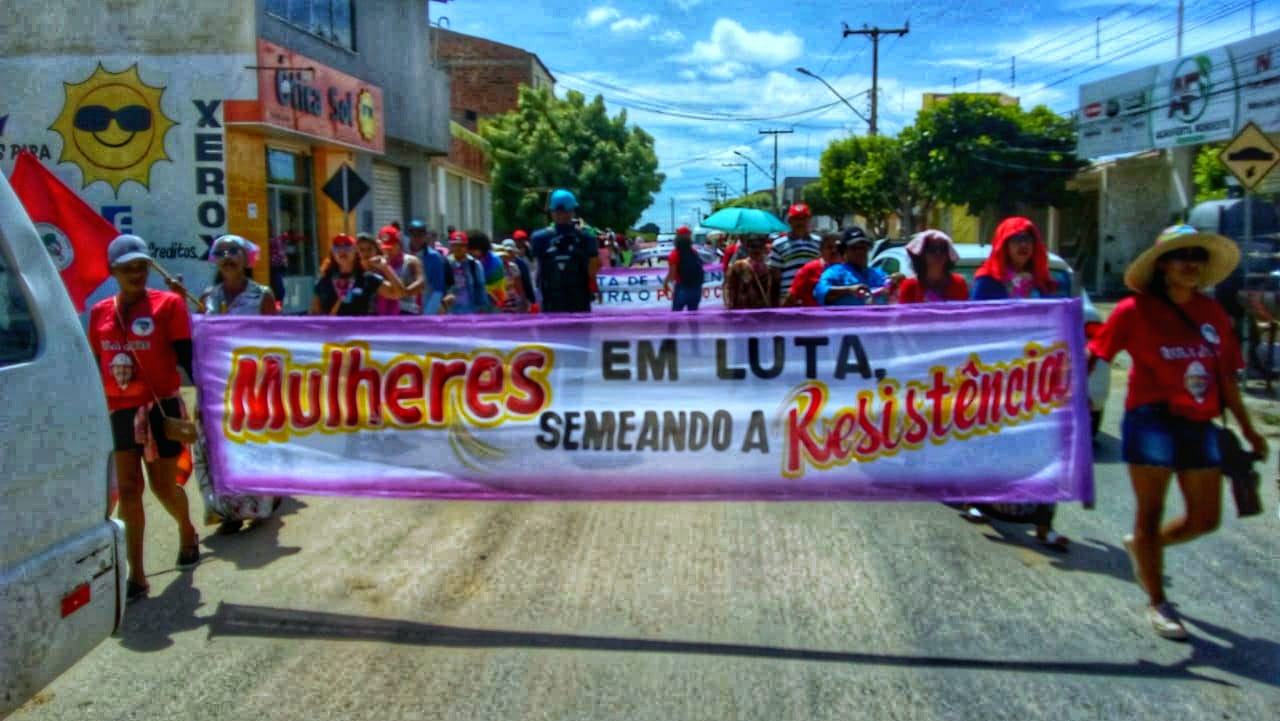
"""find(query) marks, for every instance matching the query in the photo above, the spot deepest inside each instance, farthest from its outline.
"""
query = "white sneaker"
(1164, 619)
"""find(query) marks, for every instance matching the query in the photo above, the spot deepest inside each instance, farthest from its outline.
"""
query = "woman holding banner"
(1185, 360)
(749, 282)
(234, 292)
(933, 258)
(1018, 269)
(140, 338)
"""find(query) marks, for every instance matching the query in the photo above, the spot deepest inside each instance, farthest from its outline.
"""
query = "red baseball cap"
(799, 210)
(519, 235)
(392, 233)
(342, 240)
(457, 236)
(684, 230)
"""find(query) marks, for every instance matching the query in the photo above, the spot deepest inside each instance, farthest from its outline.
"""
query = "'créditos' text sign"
(978, 401)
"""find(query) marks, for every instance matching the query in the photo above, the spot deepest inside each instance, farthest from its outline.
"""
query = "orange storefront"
(308, 121)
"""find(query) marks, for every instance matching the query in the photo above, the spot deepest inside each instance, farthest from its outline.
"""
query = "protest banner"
(975, 401)
(632, 290)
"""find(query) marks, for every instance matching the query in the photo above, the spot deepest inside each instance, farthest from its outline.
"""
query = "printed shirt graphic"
(790, 254)
(356, 299)
(748, 283)
(461, 285)
(138, 358)
(1172, 363)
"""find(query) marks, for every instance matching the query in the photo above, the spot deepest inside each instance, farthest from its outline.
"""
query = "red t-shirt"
(136, 358)
(806, 280)
(911, 291)
(673, 262)
(1172, 363)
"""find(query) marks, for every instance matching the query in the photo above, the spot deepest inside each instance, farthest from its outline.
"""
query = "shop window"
(332, 20)
(291, 211)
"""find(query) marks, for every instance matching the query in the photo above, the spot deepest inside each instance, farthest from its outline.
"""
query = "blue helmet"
(563, 200)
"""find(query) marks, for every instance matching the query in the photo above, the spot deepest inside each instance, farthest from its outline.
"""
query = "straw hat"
(1224, 256)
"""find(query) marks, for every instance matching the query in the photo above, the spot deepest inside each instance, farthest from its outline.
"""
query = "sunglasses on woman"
(225, 252)
(933, 249)
(1188, 255)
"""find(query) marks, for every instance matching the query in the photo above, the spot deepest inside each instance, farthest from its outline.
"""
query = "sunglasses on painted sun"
(1188, 255)
(97, 118)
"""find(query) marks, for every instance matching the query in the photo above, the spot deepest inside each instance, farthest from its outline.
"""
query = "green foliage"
(971, 150)
(870, 176)
(548, 143)
(812, 196)
(1210, 174)
(761, 201)
(649, 228)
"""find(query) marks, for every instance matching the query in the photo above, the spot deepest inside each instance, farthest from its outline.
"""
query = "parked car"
(62, 560)
(894, 259)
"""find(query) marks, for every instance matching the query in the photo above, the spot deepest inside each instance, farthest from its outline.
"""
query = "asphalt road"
(370, 609)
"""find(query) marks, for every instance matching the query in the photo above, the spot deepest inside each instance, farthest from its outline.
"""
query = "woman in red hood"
(1018, 268)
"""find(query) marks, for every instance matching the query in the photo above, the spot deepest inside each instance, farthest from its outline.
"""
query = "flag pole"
(190, 298)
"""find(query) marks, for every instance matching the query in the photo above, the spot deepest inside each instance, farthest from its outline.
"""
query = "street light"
(803, 71)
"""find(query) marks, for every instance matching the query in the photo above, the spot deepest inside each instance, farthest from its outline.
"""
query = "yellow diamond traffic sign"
(1250, 156)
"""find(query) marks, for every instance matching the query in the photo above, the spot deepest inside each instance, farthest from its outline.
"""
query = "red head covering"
(392, 233)
(519, 235)
(997, 264)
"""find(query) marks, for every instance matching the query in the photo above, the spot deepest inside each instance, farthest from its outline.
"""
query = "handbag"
(176, 428)
(1237, 463)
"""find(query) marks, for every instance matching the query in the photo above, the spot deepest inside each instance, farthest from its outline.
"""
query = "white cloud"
(673, 37)
(626, 25)
(725, 71)
(730, 41)
(600, 16)
(687, 5)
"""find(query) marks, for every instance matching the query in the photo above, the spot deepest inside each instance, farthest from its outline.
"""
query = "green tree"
(649, 228)
(1210, 174)
(761, 201)
(870, 176)
(972, 150)
(549, 143)
(818, 203)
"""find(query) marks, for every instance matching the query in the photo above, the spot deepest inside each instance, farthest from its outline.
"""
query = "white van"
(62, 561)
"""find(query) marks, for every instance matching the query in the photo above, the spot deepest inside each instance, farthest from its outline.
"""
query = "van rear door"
(61, 559)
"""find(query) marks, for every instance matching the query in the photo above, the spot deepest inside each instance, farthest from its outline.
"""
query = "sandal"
(1054, 540)
(973, 514)
(189, 556)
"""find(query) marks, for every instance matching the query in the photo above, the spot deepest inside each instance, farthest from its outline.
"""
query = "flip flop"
(974, 515)
(1055, 540)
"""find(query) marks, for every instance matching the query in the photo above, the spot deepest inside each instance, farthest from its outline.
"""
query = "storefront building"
(231, 119)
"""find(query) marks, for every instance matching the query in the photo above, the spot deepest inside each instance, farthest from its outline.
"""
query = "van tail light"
(76, 600)
(1091, 330)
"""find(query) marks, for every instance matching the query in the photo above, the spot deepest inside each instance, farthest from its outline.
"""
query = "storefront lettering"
(293, 91)
(40, 149)
(210, 178)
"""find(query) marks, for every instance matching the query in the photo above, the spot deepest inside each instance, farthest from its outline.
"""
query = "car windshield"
(1062, 277)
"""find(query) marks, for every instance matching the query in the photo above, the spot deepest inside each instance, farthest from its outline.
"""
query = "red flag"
(74, 233)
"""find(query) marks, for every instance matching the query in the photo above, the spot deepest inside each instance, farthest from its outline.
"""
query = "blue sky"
(730, 64)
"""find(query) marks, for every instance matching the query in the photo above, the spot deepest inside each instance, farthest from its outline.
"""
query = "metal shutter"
(388, 195)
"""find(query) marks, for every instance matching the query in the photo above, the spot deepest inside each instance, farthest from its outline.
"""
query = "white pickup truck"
(62, 560)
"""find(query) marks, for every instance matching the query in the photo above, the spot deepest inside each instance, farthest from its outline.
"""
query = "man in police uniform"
(567, 257)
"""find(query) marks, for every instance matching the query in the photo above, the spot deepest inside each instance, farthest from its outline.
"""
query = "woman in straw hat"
(1185, 360)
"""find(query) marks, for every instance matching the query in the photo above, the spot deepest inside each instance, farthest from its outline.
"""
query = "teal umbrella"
(739, 221)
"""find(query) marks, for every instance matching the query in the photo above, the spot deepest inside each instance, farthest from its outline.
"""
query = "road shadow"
(149, 624)
(1106, 448)
(235, 620)
(1257, 659)
(1088, 555)
(258, 544)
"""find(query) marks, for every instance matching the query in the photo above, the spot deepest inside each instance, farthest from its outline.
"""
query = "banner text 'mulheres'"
(970, 400)
(270, 398)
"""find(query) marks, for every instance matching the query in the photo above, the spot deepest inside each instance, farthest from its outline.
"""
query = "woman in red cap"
(347, 287)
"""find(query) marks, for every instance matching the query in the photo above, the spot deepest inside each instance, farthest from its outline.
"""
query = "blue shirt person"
(853, 282)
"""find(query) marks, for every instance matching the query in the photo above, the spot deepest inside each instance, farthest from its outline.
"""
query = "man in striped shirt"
(792, 251)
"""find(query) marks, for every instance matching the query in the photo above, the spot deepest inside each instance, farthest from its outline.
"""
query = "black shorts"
(122, 429)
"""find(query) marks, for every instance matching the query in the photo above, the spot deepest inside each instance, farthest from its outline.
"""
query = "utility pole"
(776, 133)
(1097, 34)
(979, 79)
(744, 167)
(673, 213)
(1179, 29)
(1013, 71)
(874, 34)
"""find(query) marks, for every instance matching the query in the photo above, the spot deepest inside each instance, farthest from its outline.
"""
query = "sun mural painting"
(113, 128)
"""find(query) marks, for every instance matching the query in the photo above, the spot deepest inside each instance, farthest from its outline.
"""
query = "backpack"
(690, 269)
(565, 275)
